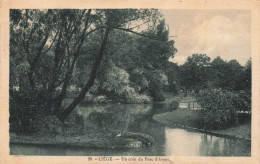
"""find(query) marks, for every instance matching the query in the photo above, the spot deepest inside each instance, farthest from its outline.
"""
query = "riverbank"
(53, 132)
(130, 140)
(89, 140)
(186, 118)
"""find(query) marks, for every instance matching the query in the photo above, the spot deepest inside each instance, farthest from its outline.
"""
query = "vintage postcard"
(130, 82)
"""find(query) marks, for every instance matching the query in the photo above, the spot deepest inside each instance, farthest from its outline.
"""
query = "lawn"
(169, 97)
(186, 117)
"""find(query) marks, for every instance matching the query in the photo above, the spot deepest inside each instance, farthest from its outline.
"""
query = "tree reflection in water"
(138, 118)
(111, 118)
(183, 142)
(216, 146)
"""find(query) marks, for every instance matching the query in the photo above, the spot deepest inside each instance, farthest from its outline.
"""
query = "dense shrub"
(174, 105)
(156, 93)
(100, 99)
(139, 99)
(25, 115)
(219, 107)
(243, 101)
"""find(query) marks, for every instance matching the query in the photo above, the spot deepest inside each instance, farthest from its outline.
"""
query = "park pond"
(121, 118)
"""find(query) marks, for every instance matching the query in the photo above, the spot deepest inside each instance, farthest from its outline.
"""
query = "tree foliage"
(125, 52)
(220, 107)
(195, 71)
(198, 72)
(48, 46)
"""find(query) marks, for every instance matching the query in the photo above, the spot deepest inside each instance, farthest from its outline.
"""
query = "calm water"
(138, 118)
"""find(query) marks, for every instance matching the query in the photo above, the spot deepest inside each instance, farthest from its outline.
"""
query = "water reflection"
(183, 142)
(112, 118)
(119, 119)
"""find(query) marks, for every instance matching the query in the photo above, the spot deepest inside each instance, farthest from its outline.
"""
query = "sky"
(224, 33)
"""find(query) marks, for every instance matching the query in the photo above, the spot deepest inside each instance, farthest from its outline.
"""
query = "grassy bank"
(188, 118)
(130, 140)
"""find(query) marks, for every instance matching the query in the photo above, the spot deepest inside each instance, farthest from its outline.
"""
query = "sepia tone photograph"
(172, 82)
(127, 82)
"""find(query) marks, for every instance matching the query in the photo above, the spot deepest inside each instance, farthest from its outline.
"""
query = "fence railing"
(192, 105)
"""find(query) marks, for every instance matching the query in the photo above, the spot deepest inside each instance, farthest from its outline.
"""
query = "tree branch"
(51, 43)
(90, 82)
(28, 40)
(34, 61)
(83, 37)
(140, 34)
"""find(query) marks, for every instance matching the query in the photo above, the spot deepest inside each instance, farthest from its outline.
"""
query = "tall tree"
(194, 72)
(248, 75)
(113, 19)
(234, 75)
(218, 67)
(56, 38)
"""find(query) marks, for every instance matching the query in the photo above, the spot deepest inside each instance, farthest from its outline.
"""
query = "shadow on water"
(120, 118)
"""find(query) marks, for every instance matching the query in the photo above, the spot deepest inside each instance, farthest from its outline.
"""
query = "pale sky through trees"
(224, 33)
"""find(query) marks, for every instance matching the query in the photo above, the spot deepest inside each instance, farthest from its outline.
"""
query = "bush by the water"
(25, 115)
(219, 107)
(174, 105)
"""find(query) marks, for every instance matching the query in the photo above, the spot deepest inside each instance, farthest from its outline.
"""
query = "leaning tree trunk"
(90, 82)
